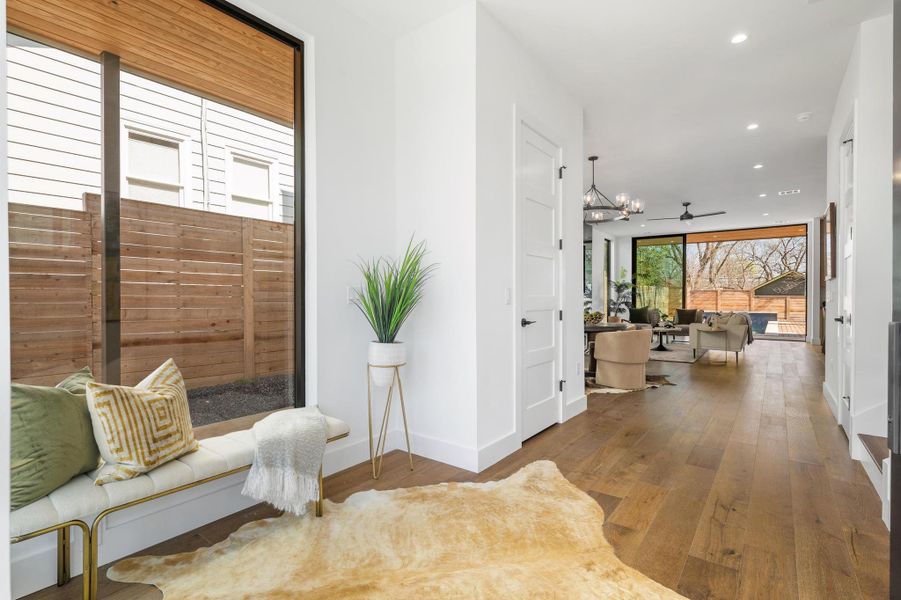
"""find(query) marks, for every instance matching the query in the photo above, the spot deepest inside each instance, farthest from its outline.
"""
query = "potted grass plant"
(391, 290)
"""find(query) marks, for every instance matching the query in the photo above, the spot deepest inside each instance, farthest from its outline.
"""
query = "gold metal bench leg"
(86, 575)
(94, 557)
(62, 556)
(321, 494)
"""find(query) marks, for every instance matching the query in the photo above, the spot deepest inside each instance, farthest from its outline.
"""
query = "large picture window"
(760, 271)
(154, 216)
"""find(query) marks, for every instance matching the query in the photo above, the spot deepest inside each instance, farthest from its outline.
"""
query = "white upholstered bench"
(73, 503)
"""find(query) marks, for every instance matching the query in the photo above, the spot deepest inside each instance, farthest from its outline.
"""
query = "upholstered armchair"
(728, 334)
(622, 357)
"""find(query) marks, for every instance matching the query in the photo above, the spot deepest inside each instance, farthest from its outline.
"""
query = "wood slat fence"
(215, 292)
(787, 308)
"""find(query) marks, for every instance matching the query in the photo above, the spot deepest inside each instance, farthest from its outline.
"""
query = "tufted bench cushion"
(80, 498)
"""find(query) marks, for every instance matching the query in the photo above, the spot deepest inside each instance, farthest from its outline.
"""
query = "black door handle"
(525, 322)
(839, 319)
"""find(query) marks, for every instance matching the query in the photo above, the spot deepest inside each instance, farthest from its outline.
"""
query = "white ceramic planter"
(387, 355)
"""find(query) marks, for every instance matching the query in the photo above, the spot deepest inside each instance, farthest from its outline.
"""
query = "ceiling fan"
(687, 216)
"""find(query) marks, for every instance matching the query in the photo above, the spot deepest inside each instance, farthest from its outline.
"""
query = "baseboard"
(831, 401)
(443, 451)
(887, 486)
(498, 449)
(575, 406)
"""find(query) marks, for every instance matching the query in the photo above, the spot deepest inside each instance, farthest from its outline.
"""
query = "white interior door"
(539, 200)
(844, 321)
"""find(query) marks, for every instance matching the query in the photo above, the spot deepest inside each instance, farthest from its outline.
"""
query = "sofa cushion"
(80, 498)
(722, 319)
(51, 438)
(140, 428)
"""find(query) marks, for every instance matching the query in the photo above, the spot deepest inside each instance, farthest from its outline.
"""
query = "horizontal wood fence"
(214, 292)
(787, 308)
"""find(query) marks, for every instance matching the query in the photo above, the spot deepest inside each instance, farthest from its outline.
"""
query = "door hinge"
(560, 243)
(562, 381)
(560, 172)
(561, 315)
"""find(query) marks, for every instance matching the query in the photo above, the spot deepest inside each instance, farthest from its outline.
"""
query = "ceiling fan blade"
(665, 219)
(712, 214)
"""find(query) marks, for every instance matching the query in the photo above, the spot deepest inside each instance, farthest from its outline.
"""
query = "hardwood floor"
(734, 483)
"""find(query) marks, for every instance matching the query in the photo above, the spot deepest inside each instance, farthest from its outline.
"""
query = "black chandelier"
(598, 208)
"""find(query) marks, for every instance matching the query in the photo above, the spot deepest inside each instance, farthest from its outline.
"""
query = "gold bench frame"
(90, 538)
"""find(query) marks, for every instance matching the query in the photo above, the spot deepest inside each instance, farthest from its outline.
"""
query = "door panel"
(539, 193)
(845, 324)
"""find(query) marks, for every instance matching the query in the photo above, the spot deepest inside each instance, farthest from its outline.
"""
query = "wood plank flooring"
(734, 483)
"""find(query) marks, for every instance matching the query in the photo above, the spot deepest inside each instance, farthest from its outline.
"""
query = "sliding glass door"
(659, 273)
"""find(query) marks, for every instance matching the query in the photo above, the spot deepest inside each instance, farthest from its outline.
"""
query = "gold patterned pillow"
(139, 428)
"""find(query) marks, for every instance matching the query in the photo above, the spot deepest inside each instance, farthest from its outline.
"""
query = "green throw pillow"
(76, 382)
(52, 439)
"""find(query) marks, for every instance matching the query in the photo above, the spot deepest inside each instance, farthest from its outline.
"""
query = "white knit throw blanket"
(289, 449)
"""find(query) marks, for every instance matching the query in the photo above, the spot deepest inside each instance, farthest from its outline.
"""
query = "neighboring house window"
(156, 167)
(252, 187)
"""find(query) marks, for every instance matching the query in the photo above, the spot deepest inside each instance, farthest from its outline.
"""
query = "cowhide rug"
(532, 535)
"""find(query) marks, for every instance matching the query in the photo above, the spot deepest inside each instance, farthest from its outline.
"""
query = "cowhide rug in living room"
(532, 535)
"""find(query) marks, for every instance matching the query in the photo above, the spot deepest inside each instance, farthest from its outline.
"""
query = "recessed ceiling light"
(758, 166)
(738, 38)
(642, 224)
(752, 126)
(803, 117)
(766, 214)
(789, 192)
(763, 195)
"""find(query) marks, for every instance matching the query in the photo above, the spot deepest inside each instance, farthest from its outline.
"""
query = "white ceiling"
(667, 97)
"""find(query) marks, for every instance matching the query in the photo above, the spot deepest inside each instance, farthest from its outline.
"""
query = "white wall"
(868, 83)
(436, 201)
(511, 85)
(461, 81)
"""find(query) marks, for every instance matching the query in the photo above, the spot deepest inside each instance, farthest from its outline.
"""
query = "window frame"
(184, 143)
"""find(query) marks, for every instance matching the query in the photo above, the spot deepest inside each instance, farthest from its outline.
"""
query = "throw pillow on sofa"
(639, 315)
(142, 427)
(52, 440)
(686, 316)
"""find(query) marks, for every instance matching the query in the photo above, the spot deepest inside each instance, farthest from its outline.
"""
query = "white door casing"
(539, 205)
(845, 333)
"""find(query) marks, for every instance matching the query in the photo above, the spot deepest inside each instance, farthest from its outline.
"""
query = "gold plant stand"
(378, 453)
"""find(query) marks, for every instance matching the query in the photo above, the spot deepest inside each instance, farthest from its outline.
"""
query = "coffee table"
(662, 331)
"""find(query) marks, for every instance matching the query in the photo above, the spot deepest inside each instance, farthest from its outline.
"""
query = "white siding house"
(177, 148)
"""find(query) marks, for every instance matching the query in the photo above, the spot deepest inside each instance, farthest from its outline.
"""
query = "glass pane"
(250, 179)
(658, 274)
(54, 160)
(208, 282)
(765, 277)
(153, 193)
(153, 159)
